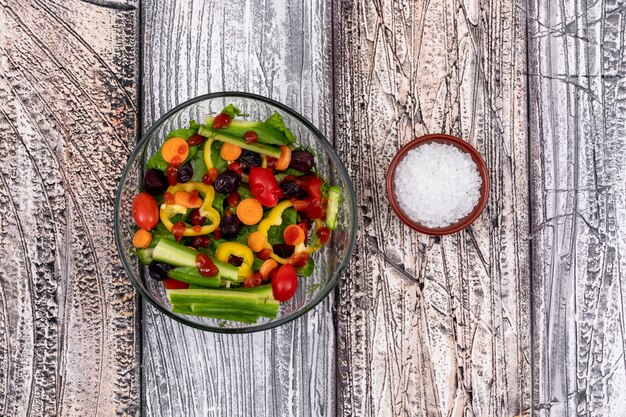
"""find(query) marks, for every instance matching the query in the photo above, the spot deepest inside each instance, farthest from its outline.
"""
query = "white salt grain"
(437, 184)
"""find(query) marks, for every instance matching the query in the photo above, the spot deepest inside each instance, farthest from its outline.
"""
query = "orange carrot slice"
(284, 159)
(175, 149)
(189, 200)
(267, 267)
(250, 211)
(293, 234)
(230, 152)
(142, 239)
(256, 241)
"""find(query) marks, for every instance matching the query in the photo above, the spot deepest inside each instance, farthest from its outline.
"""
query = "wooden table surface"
(521, 313)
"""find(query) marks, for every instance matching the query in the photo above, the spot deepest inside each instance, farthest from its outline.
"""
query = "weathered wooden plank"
(280, 50)
(68, 341)
(433, 326)
(577, 128)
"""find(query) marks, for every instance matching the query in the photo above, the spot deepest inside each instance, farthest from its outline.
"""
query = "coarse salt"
(437, 185)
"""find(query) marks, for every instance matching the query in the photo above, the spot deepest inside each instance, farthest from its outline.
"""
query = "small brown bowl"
(463, 146)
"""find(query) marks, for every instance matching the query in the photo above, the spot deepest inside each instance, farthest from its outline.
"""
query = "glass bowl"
(330, 261)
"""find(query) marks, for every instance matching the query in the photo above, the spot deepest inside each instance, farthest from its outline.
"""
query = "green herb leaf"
(275, 233)
(198, 165)
(277, 122)
(257, 264)
(218, 161)
(244, 191)
(184, 133)
(157, 161)
(244, 232)
(231, 110)
(307, 270)
(218, 203)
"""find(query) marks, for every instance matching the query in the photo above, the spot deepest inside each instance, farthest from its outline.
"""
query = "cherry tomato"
(314, 210)
(177, 230)
(285, 283)
(250, 136)
(173, 284)
(271, 162)
(196, 218)
(236, 166)
(172, 174)
(299, 259)
(323, 233)
(200, 241)
(195, 140)
(257, 279)
(210, 177)
(145, 211)
(233, 199)
(168, 198)
(205, 265)
(312, 185)
(221, 121)
(304, 226)
(264, 254)
(299, 205)
(264, 186)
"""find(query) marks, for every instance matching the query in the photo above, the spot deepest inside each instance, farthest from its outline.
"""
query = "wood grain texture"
(280, 49)
(429, 326)
(68, 342)
(578, 171)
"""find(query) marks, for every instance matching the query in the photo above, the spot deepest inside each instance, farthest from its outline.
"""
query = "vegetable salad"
(230, 214)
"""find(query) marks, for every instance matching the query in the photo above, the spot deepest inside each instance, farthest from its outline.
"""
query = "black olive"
(154, 182)
(249, 159)
(283, 250)
(227, 182)
(158, 270)
(230, 226)
(292, 190)
(302, 161)
(185, 172)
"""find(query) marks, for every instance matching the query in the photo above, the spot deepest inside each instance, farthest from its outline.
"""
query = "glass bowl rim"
(338, 164)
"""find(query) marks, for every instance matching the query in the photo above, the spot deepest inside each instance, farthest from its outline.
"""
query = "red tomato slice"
(264, 186)
(173, 284)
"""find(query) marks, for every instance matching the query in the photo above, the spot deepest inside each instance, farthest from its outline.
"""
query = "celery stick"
(332, 209)
(182, 308)
(255, 147)
(174, 253)
(191, 275)
(215, 314)
(269, 310)
(235, 314)
(262, 291)
(210, 296)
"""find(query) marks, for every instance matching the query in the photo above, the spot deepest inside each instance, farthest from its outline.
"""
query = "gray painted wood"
(428, 326)
(424, 326)
(578, 171)
(281, 50)
(68, 340)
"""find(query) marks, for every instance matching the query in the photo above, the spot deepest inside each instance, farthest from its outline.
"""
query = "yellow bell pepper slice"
(207, 153)
(206, 209)
(275, 218)
(228, 249)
